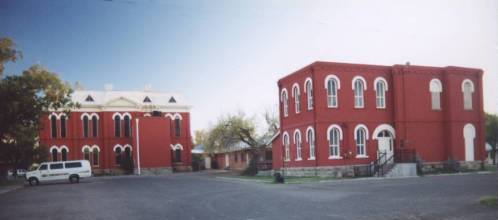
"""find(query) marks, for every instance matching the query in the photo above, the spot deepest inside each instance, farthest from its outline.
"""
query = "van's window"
(73, 165)
(56, 166)
(43, 167)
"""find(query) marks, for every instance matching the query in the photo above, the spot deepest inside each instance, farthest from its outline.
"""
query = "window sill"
(311, 158)
(299, 159)
(286, 160)
(361, 156)
(381, 108)
(359, 107)
(332, 106)
(335, 157)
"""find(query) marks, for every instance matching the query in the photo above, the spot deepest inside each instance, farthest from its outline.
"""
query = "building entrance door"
(385, 145)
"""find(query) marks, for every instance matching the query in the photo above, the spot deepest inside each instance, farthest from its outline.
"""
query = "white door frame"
(469, 134)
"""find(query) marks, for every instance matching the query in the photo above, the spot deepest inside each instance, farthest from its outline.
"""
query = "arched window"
(361, 140)
(95, 155)
(117, 153)
(311, 141)
(86, 153)
(297, 141)
(177, 127)
(467, 89)
(177, 155)
(63, 154)
(53, 126)
(308, 88)
(435, 87)
(285, 102)
(380, 92)
(332, 85)
(358, 87)
(334, 142)
(85, 126)
(297, 97)
(54, 154)
(128, 153)
(117, 126)
(63, 126)
(95, 126)
(127, 128)
(287, 147)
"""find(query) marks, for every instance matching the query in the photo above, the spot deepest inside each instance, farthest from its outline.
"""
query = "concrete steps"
(402, 170)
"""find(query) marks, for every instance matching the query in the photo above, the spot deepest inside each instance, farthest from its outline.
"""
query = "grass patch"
(491, 201)
(288, 179)
(489, 167)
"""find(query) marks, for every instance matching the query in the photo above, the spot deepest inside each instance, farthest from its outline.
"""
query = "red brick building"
(337, 116)
(151, 128)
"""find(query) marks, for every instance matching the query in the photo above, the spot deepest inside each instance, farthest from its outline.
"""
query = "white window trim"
(300, 154)
(435, 85)
(338, 85)
(309, 95)
(309, 143)
(286, 147)
(471, 85)
(285, 102)
(365, 155)
(364, 83)
(297, 97)
(335, 157)
(338, 141)
(386, 88)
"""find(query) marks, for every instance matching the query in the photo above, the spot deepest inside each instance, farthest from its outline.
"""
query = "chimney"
(408, 63)
(108, 87)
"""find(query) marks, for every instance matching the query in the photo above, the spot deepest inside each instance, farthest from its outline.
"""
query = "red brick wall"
(436, 135)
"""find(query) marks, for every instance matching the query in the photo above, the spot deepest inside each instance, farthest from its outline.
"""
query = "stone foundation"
(324, 171)
(154, 171)
(446, 166)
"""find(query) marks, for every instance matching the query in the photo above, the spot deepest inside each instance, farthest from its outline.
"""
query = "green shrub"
(252, 169)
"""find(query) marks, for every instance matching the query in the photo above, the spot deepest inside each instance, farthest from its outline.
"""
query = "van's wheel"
(74, 179)
(33, 181)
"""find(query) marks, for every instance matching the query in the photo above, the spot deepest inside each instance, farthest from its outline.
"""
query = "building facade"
(337, 116)
(150, 128)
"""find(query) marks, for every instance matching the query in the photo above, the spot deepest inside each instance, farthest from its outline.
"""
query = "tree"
(23, 100)
(234, 128)
(492, 133)
(230, 130)
(7, 53)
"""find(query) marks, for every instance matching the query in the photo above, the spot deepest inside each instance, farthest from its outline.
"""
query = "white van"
(62, 170)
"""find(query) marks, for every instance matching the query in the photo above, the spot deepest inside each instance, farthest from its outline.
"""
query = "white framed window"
(334, 136)
(359, 86)
(332, 84)
(467, 90)
(310, 138)
(308, 89)
(286, 146)
(298, 143)
(361, 137)
(435, 88)
(285, 102)
(297, 97)
(380, 86)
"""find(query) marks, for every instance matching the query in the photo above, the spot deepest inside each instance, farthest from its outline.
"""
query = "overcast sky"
(225, 56)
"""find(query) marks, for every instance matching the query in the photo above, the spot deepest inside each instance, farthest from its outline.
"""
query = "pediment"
(121, 102)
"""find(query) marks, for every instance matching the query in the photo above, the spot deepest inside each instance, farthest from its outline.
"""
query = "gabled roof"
(92, 98)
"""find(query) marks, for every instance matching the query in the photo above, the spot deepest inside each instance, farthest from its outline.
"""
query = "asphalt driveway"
(201, 196)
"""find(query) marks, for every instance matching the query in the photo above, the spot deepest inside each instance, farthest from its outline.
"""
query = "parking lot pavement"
(199, 196)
